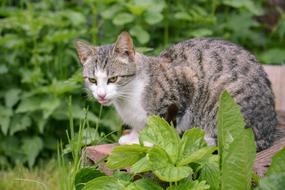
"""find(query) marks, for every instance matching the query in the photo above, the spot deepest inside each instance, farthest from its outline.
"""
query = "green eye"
(113, 79)
(92, 80)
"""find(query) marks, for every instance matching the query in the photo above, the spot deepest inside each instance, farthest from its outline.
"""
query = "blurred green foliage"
(39, 68)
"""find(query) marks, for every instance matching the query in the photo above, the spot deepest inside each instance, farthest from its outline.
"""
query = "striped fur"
(186, 81)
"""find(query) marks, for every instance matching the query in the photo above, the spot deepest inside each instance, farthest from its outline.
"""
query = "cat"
(182, 84)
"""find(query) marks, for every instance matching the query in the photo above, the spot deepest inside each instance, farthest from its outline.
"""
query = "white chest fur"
(130, 109)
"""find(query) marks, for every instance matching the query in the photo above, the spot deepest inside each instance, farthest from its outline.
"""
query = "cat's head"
(108, 69)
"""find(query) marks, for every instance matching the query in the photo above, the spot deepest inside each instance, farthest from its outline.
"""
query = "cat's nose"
(101, 96)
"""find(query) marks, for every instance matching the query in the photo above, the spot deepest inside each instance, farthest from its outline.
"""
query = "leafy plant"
(39, 69)
(187, 162)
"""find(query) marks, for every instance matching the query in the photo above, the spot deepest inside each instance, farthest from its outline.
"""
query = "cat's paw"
(132, 138)
(210, 140)
(129, 139)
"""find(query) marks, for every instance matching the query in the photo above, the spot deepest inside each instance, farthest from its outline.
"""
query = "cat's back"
(208, 56)
(218, 65)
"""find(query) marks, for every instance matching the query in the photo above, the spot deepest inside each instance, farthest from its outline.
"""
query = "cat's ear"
(124, 45)
(84, 50)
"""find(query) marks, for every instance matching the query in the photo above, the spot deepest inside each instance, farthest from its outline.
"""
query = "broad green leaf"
(49, 105)
(157, 6)
(111, 11)
(75, 18)
(210, 172)
(141, 166)
(153, 17)
(123, 18)
(19, 123)
(275, 176)
(158, 158)
(142, 35)
(123, 176)
(160, 133)
(192, 140)
(237, 163)
(12, 96)
(32, 147)
(5, 115)
(278, 164)
(144, 184)
(272, 182)
(40, 121)
(104, 183)
(125, 156)
(230, 122)
(197, 156)
(187, 184)
(84, 175)
(173, 173)
(163, 168)
(29, 105)
(254, 8)
(182, 16)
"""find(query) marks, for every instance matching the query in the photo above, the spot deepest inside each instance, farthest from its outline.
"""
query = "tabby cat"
(182, 84)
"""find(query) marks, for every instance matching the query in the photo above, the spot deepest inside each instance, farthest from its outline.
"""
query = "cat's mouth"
(105, 101)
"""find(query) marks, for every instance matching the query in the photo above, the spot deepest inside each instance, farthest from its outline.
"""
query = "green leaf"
(210, 172)
(248, 4)
(12, 96)
(32, 147)
(173, 174)
(236, 146)
(76, 18)
(123, 18)
(104, 183)
(160, 133)
(153, 17)
(84, 175)
(142, 35)
(29, 104)
(158, 158)
(19, 123)
(272, 182)
(182, 16)
(187, 184)
(275, 176)
(111, 11)
(141, 166)
(144, 184)
(5, 115)
(49, 105)
(230, 122)
(278, 163)
(237, 162)
(125, 156)
(197, 156)
(192, 140)
(123, 176)
(163, 168)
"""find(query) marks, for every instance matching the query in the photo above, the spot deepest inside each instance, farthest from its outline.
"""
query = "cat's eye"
(92, 80)
(113, 79)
